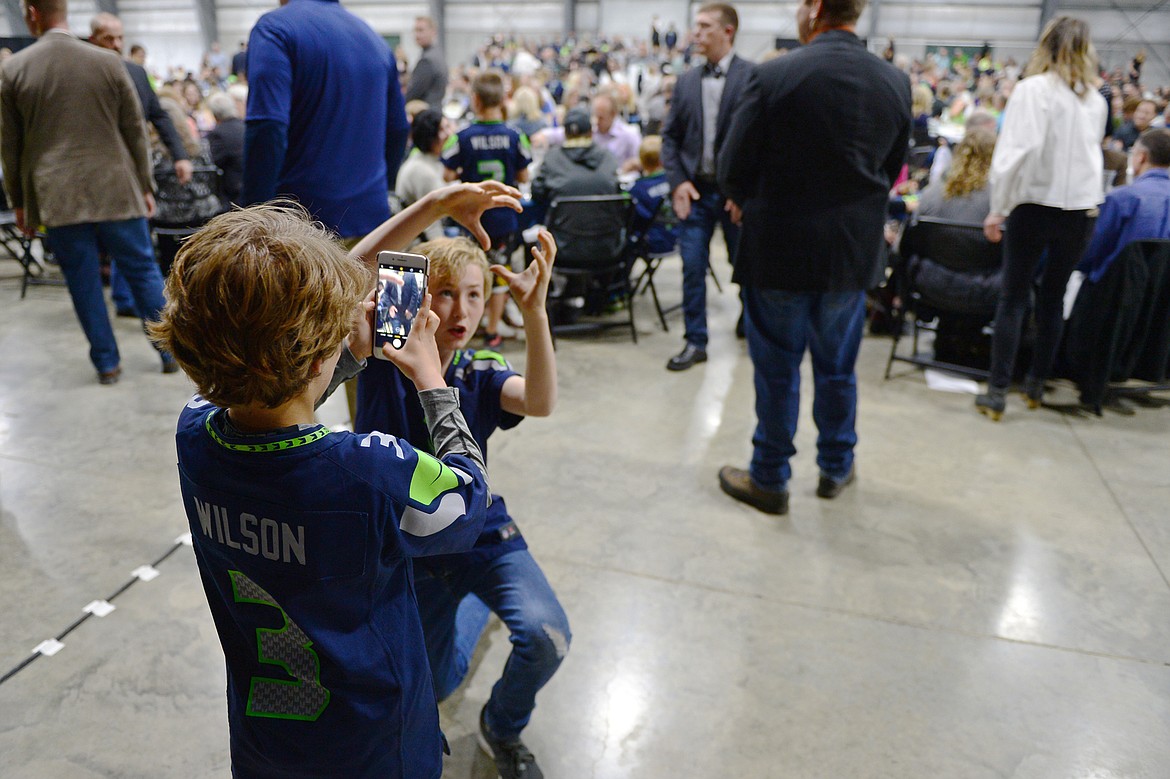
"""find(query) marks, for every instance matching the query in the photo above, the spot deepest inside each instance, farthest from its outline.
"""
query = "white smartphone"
(402, 282)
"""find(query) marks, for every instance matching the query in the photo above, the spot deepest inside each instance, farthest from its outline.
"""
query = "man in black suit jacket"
(106, 31)
(428, 81)
(700, 113)
(812, 151)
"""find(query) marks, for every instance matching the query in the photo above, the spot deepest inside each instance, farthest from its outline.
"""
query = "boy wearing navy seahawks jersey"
(304, 537)
(490, 150)
(650, 192)
(499, 571)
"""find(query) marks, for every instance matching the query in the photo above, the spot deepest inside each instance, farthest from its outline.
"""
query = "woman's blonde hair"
(526, 103)
(971, 163)
(921, 100)
(253, 299)
(1066, 49)
(449, 260)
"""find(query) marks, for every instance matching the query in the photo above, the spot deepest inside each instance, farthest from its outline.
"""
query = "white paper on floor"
(949, 382)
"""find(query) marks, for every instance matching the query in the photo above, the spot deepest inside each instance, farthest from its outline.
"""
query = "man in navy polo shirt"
(326, 118)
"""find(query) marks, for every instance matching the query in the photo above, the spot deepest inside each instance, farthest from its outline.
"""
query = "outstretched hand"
(418, 359)
(465, 203)
(530, 287)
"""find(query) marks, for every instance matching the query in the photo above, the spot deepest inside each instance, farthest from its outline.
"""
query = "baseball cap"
(578, 123)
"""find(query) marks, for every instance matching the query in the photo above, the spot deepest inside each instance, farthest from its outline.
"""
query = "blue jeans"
(120, 291)
(694, 244)
(128, 242)
(454, 614)
(780, 325)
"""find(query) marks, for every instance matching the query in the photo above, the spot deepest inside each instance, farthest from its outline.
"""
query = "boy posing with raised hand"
(304, 537)
(499, 571)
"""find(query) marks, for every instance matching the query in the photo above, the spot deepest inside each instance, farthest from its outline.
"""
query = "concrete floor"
(987, 601)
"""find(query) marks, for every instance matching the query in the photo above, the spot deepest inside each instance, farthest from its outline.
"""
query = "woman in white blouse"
(1046, 175)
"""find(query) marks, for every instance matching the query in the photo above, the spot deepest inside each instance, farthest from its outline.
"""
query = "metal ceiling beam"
(15, 16)
(208, 21)
(437, 10)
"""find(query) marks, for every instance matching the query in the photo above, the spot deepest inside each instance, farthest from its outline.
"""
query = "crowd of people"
(268, 312)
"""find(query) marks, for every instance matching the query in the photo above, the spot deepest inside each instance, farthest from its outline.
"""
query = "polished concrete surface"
(989, 600)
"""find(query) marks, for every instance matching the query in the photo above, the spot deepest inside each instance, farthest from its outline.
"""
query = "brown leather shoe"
(738, 483)
(829, 488)
(110, 377)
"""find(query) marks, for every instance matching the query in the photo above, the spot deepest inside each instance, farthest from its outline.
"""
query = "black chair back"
(957, 246)
(591, 231)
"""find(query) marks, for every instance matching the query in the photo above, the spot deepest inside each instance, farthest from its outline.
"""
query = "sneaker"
(512, 758)
(492, 340)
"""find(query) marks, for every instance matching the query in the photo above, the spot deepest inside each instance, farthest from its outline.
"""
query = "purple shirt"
(622, 140)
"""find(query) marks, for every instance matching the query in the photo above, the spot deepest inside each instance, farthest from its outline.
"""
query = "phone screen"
(398, 296)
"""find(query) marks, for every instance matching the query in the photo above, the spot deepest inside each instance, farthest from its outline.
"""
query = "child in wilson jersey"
(499, 571)
(304, 537)
(489, 150)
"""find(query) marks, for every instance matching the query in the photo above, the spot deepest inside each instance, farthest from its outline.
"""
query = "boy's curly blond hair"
(253, 299)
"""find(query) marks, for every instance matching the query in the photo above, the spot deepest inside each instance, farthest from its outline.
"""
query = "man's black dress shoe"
(690, 355)
(829, 488)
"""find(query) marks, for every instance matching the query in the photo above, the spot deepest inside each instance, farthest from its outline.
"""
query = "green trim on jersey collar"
(271, 446)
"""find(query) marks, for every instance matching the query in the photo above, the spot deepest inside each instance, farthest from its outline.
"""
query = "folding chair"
(20, 248)
(1119, 329)
(961, 266)
(592, 244)
(666, 218)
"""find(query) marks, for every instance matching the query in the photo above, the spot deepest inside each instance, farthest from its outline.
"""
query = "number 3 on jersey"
(490, 170)
(288, 647)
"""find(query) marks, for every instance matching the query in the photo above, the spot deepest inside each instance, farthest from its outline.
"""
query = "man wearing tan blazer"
(75, 157)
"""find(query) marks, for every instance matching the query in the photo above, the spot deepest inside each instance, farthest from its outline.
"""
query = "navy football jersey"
(490, 151)
(388, 401)
(304, 539)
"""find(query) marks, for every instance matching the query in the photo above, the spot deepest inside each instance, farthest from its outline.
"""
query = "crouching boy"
(499, 572)
(303, 536)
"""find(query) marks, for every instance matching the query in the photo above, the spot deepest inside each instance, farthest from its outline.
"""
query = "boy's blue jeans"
(454, 611)
(780, 326)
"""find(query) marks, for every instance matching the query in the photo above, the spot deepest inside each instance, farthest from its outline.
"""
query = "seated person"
(1144, 112)
(1135, 212)
(500, 571)
(943, 156)
(965, 285)
(610, 132)
(964, 196)
(422, 172)
(577, 167)
(650, 193)
(226, 142)
(296, 525)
